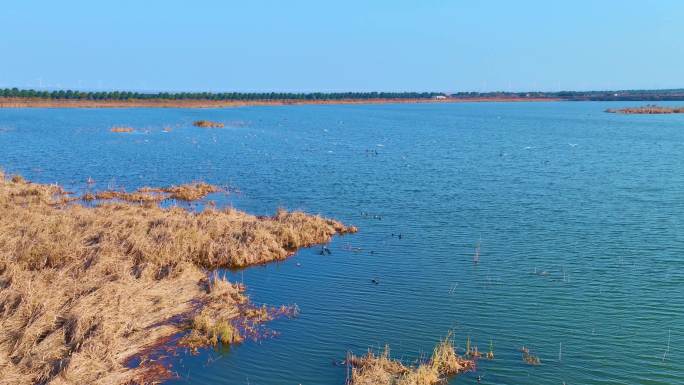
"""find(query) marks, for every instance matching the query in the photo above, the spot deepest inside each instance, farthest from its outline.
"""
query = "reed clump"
(470, 351)
(207, 124)
(530, 358)
(121, 129)
(18, 179)
(215, 322)
(381, 369)
(136, 196)
(83, 289)
(185, 192)
(490, 353)
(191, 192)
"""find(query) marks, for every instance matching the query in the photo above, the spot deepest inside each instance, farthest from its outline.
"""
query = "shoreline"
(191, 103)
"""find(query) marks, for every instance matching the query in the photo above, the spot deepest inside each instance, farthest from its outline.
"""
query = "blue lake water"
(579, 214)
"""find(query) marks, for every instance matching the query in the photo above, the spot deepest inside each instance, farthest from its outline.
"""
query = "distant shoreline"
(30, 98)
(194, 103)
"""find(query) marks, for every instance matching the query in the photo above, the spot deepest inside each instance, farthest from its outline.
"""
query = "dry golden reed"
(647, 109)
(83, 289)
(207, 124)
(121, 129)
(372, 369)
(184, 192)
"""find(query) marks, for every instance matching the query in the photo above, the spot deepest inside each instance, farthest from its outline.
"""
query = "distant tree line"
(125, 95)
(645, 95)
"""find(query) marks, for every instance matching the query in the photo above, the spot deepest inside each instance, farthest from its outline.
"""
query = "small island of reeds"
(647, 110)
(207, 124)
(381, 369)
(121, 129)
(185, 192)
(86, 289)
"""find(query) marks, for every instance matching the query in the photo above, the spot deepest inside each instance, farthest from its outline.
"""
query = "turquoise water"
(579, 214)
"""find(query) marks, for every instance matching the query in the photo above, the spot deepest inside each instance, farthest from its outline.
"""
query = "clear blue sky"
(255, 45)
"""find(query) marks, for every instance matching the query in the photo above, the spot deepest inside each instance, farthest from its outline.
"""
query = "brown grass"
(189, 192)
(207, 124)
(214, 322)
(121, 129)
(380, 369)
(17, 179)
(184, 192)
(136, 196)
(83, 289)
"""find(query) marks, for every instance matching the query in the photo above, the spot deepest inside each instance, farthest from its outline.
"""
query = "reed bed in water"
(207, 124)
(136, 196)
(121, 129)
(647, 109)
(185, 192)
(381, 369)
(84, 289)
(529, 358)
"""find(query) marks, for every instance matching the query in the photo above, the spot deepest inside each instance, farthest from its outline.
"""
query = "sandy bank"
(163, 103)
